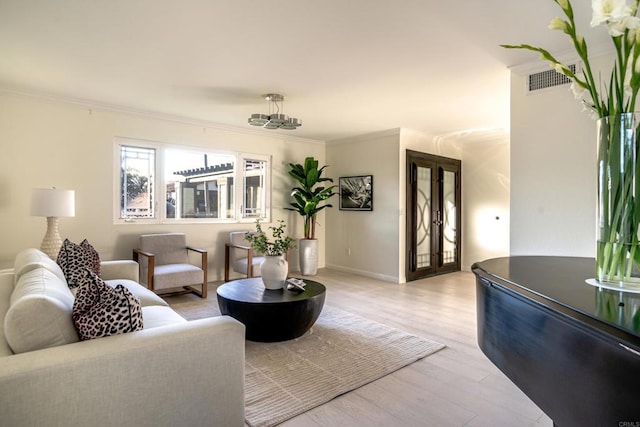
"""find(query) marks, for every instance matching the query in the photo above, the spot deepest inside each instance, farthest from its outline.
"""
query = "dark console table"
(271, 315)
(573, 348)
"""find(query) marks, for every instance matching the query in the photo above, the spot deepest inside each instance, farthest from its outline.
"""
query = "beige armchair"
(239, 256)
(164, 264)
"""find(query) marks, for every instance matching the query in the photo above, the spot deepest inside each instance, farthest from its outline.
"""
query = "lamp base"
(51, 242)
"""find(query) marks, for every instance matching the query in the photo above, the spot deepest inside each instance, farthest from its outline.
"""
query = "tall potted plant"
(309, 199)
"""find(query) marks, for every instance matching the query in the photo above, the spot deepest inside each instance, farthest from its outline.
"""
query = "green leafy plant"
(260, 242)
(309, 196)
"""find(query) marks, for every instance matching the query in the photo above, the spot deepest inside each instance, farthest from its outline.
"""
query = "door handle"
(438, 220)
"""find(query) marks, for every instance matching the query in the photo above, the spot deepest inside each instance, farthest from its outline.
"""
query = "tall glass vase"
(618, 249)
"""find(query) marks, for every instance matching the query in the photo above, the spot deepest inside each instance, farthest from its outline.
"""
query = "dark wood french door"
(433, 215)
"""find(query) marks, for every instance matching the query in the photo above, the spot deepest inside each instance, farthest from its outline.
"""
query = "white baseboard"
(383, 277)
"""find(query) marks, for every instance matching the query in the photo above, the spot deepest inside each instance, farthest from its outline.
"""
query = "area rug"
(340, 353)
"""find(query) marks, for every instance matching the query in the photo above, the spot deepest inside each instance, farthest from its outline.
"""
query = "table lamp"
(52, 203)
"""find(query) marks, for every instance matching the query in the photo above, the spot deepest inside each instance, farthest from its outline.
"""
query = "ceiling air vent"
(549, 78)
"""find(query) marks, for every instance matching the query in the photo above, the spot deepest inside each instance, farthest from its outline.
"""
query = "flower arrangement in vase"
(613, 103)
(274, 268)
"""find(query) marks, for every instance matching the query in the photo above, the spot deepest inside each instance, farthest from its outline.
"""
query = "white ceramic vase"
(308, 252)
(273, 271)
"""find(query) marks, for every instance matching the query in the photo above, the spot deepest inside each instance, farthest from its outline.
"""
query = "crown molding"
(366, 137)
(103, 106)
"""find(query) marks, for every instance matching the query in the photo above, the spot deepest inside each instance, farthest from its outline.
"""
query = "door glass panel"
(449, 217)
(423, 218)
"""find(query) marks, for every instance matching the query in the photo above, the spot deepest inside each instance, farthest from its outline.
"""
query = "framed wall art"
(356, 193)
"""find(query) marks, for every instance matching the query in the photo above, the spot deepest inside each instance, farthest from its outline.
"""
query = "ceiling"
(345, 67)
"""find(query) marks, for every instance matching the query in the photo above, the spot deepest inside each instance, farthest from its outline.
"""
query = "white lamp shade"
(52, 202)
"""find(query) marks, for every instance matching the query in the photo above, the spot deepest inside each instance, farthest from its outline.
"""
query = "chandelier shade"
(275, 119)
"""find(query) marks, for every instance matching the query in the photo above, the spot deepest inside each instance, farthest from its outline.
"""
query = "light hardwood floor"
(457, 386)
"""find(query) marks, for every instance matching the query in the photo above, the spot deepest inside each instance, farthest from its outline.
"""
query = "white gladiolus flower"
(617, 28)
(593, 114)
(560, 68)
(609, 11)
(631, 22)
(579, 92)
(558, 23)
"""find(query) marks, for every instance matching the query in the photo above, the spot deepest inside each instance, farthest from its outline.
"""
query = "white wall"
(377, 240)
(48, 143)
(553, 173)
(366, 242)
(51, 143)
(485, 199)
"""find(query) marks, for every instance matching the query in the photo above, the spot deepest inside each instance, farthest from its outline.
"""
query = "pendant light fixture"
(275, 119)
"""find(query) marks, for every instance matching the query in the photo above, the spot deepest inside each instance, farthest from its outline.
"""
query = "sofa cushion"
(156, 316)
(40, 312)
(73, 259)
(30, 259)
(100, 310)
(145, 296)
(176, 275)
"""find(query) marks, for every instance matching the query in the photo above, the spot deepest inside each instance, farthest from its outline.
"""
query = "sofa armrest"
(120, 269)
(190, 373)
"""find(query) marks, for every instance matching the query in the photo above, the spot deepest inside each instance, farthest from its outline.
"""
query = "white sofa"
(173, 372)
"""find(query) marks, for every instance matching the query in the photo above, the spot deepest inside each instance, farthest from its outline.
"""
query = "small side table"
(271, 315)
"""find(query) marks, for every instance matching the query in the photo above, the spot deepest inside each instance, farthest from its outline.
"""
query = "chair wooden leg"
(190, 290)
(226, 263)
(205, 268)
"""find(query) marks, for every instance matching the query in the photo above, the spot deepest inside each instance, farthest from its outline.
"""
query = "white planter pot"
(308, 252)
(273, 271)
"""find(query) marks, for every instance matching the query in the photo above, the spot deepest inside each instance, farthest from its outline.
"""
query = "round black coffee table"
(271, 315)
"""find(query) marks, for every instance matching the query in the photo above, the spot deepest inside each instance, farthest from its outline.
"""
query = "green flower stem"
(618, 253)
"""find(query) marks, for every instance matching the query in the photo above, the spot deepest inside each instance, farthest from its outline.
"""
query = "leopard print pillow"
(91, 256)
(73, 258)
(100, 310)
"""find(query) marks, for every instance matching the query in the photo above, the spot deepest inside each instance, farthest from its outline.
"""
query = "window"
(199, 185)
(255, 175)
(137, 172)
(193, 185)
